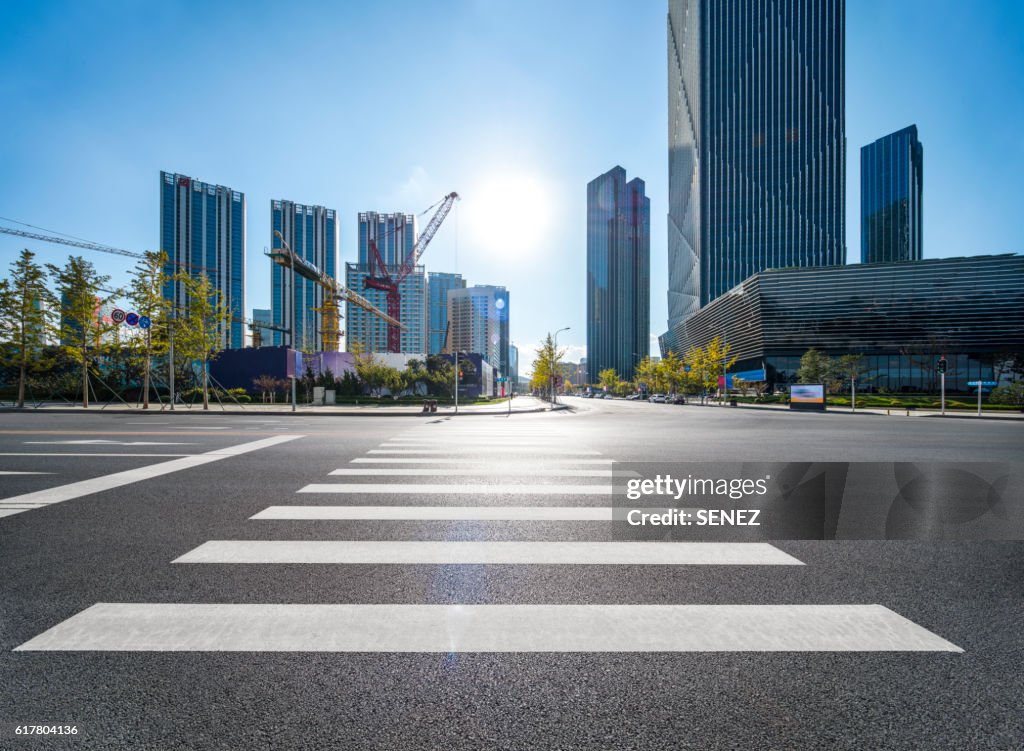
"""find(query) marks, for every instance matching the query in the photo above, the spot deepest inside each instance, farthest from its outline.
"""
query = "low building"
(901, 316)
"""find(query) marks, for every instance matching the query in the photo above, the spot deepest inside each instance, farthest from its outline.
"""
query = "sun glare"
(509, 213)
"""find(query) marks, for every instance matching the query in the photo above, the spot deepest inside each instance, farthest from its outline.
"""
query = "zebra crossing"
(513, 472)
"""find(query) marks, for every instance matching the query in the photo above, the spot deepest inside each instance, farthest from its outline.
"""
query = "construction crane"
(388, 280)
(333, 292)
(254, 326)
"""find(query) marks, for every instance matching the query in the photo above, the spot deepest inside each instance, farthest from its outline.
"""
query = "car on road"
(657, 399)
(677, 399)
(632, 397)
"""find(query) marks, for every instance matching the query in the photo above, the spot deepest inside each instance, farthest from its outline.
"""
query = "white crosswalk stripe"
(488, 455)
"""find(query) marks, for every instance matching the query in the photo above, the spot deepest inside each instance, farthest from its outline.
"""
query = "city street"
(194, 581)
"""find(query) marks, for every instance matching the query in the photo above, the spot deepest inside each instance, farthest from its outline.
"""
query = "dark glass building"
(202, 228)
(618, 274)
(757, 143)
(902, 316)
(312, 234)
(890, 198)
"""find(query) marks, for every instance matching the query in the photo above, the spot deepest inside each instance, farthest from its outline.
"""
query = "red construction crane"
(388, 280)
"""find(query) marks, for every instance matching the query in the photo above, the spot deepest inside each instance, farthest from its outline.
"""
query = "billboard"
(807, 396)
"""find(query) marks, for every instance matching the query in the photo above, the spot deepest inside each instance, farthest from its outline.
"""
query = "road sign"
(144, 322)
(117, 315)
(982, 383)
(132, 319)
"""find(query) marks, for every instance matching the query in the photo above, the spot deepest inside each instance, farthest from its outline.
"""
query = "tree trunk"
(21, 385)
(145, 386)
(85, 383)
(206, 388)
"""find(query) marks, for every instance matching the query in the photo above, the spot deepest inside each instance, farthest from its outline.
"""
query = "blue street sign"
(982, 383)
(132, 319)
(144, 322)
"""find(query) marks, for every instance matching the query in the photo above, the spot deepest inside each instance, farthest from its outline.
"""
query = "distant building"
(478, 319)
(513, 364)
(312, 234)
(369, 332)
(438, 285)
(263, 315)
(394, 234)
(202, 228)
(891, 183)
(618, 273)
(757, 144)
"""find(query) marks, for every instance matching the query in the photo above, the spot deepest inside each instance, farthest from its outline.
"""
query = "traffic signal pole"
(942, 380)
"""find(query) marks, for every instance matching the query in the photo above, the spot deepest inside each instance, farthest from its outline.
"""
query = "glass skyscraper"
(478, 318)
(438, 284)
(891, 174)
(312, 234)
(618, 274)
(757, 143)
(202, 228)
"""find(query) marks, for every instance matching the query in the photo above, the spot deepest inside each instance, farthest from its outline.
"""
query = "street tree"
(815, 367)
(82, 329)
(146, 295)
(201, 329)
(546, 364)
(670, 370)
(608, 380)
(26, 319)
(849, 368)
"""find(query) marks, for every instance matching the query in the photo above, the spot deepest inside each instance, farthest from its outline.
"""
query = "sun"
(509, 212)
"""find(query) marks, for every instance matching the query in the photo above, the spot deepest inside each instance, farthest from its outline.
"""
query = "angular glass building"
(479, 323)
(890, 198)
(757, 143)
(312, 234)
(438, 285)
(618, 274)
(202, 228)
(901, 316)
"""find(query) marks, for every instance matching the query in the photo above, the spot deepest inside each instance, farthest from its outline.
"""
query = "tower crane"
(333, 292)
(255, 326)
(388, 280)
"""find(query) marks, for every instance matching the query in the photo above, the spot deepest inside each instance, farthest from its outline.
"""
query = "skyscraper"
(757, 143)
(891, 181)
(202, 227)
(312, 234)
(438, 284)
(478, 319)
(395, 237)
(618, 274)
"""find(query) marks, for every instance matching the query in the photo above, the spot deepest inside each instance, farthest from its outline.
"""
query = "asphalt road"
(142, 603)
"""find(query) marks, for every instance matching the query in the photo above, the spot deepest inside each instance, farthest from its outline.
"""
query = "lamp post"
(291, 313)
(554, 356)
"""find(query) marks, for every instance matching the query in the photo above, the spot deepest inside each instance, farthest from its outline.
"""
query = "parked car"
(677, 399)
(632, 397)
(657, 399)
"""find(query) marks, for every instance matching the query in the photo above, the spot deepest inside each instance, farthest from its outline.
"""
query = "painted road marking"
(437, 552)
(462, 513)
(40, 453)
(432, 488)
(166, 627)
(101, 442)
(491, 471)
(118, 479)
(7, 472)
(520, 462)
(478, 449)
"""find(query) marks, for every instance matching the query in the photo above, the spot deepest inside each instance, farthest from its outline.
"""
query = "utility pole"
(170, 338)
(456, 381)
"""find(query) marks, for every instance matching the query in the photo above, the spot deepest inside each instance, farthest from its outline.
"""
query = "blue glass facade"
(479, 323)
(757, 142)
(312, 233)
(438, 284)
(395, 235)
(618, 274)
(202, 227)
(891, 183)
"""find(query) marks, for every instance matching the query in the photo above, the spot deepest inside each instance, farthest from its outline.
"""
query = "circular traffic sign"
(144, 322)
(117, 315)
(132, 319)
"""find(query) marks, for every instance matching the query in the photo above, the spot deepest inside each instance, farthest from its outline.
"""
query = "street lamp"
(291, 314)
(554, 356)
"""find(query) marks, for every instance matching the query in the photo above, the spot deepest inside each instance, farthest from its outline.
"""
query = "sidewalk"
(520, 405)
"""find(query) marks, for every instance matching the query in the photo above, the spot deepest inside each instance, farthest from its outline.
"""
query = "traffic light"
(941, 367)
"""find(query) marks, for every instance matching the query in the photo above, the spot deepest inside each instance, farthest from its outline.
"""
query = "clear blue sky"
(388, 106)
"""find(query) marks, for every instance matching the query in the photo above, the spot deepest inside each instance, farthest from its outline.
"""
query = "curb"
(305, 412)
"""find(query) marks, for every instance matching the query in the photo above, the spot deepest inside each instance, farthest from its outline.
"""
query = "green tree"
(440, 376)
(670, 371)
(1010, 393)
(26, 319)
(609, 380)
(376, 375)
(717, 361)
(546, 364)
(146, 295)
(200, 330)
(82, 330)
(847, 368)
(815, 367)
